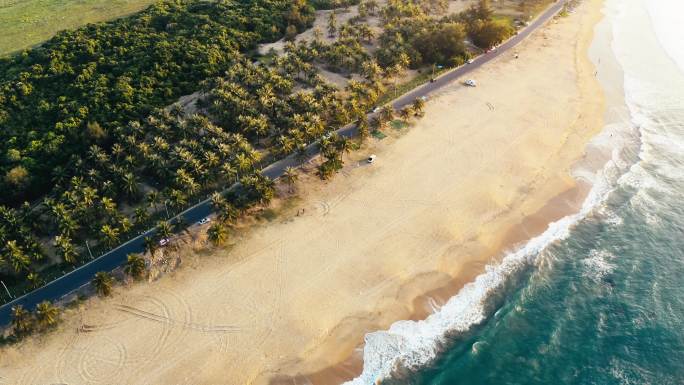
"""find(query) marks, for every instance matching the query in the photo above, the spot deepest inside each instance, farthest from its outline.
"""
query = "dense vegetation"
(84, 132)
(75, 90)
(330, 4)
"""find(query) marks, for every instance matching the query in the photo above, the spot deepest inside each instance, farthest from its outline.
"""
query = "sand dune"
(298, 294)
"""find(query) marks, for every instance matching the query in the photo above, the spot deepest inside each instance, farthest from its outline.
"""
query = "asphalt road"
(111, 260)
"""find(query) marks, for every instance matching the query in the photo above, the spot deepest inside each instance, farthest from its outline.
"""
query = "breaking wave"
(411, 345)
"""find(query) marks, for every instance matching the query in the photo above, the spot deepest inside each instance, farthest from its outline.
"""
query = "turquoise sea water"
(599, 297)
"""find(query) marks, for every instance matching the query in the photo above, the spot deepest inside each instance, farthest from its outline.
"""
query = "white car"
(164, 241)
(470, 61)
(204, 221)
(371, 158)
(470, 83)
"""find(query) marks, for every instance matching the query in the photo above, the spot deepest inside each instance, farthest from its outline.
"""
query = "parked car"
(204, 221)
(470, 61)
(164, 241)
(470, 83)
(371, 158)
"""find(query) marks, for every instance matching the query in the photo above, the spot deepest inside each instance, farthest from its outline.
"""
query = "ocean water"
(599, 297)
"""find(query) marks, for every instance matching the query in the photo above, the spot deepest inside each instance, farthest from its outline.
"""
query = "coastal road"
(109, 261)
(447, 78)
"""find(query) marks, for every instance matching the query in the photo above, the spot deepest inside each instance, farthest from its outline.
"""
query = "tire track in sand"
(102, 361)
(167, 320)
(172, 335)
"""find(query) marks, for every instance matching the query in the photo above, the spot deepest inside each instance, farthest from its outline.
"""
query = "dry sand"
(298, 294)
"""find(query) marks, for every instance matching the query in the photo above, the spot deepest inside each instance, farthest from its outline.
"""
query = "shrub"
(488, 33)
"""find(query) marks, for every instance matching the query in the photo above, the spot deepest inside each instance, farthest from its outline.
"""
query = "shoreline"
(533, 225)
(565, 203)
(282, 302)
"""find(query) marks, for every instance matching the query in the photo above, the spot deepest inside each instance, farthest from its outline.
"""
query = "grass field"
(25, 23)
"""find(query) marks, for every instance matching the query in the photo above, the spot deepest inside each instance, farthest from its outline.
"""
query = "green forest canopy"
(60, 98)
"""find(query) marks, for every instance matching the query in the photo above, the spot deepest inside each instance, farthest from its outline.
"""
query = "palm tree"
(406, 113)
(344, 144)
(34, 280)
(228, 213)
(371, 70)
(177, 110)
(164, 229)
(332, 24)
(403, 62)
(47, 314)
(150, 244)
(22, 320)
(67, 224)
(228, 172)
(371, 5)
(258, 188)
(217, 201)
(418, 106)
(290, 177)
(178, 199)
(211, 160)
(376, 123)
(152, 199)
(103, 283)
(65, 248)
(130, 185)
(218, 233)
(257, 125)
(243, 162)
(362, 127)
(88, 196)
(108, 205)
(110, 235)
(18, 258)
(387, 113)
(366, 33)
(135, 266)
(141, 216)
(125, 224)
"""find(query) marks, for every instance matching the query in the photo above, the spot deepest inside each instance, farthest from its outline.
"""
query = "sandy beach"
(484, 170)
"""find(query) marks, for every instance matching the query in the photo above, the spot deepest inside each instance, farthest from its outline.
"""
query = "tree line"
(78, 87)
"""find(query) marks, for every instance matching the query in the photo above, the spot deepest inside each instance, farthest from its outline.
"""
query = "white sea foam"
(414, 344)
(609, 216)
(655, 98)
(598, 264)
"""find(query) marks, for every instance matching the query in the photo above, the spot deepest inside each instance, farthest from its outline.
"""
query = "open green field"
(24, 23)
